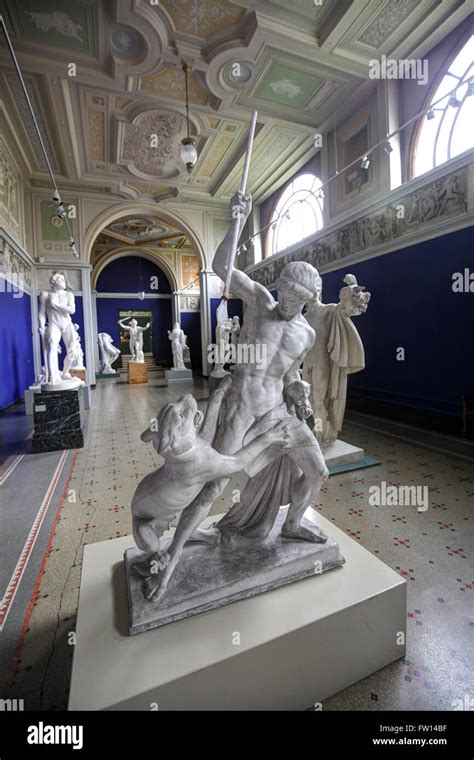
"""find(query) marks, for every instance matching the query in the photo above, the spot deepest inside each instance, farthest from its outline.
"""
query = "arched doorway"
(127, 255)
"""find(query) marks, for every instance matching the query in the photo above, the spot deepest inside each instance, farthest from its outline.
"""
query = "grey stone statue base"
(208, 577)
(178, 376)
(340, 453)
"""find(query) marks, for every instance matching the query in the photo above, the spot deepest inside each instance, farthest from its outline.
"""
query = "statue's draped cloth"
(347, 355)
(271, 486)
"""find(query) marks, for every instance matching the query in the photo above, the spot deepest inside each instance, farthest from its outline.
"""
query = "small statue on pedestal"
(178, 345)
(135, 339)
(223, 332)
(108, 353)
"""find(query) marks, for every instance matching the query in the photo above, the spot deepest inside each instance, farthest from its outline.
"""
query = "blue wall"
(191, 324)
(16, 346)
(413, 306)
(131, 274)
(123, 276)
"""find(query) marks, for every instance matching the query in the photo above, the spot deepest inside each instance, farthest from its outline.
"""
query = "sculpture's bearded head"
(174, 430)
(299, 283)
(57, 281)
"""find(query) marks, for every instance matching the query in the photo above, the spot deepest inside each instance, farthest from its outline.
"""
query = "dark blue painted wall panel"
(191, 324)
(131, 274)
(16, 346)
(413, 306)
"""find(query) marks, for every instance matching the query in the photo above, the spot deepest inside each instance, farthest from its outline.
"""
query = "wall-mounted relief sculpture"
(14, 266)
(336, 352)
(434, 201)
(9, 190)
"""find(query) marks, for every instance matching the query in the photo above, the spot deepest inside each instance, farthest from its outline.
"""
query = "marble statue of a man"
(223, 331)
(108, 353)
(54, 319)
(135, 339)
(261, 395)
(337, 352)
(178, 344)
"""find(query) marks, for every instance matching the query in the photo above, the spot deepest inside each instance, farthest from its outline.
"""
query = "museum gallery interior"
(237, 374)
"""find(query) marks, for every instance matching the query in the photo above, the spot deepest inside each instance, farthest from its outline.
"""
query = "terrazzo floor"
(432, 550)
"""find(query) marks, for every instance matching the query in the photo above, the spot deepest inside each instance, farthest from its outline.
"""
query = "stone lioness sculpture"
(182, 435)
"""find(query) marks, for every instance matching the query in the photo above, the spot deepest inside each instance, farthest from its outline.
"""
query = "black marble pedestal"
(57, 420)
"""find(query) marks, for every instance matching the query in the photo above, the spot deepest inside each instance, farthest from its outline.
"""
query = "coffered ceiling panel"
(298, 62)
(202, 18)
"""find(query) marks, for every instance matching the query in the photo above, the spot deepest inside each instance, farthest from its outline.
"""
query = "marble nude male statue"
(54, 319)
(337, 352)
(259, 398)
(135, 338)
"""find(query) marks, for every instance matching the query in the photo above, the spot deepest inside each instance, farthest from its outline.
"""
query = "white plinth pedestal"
(285, 649)
(340, 452)
(179, 377)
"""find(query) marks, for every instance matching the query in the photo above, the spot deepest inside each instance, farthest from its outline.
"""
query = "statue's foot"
(154, 588)
(300, 533)
(66, 376)
(211, 536)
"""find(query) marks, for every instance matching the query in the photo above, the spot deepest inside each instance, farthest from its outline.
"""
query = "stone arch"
(105, 218)
(144, 253)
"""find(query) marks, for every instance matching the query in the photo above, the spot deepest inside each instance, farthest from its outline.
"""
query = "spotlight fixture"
(188, 152)
(470, 86)
(288, 215)
(274, 226)
(388, 147)
(243, 248)
(364, 164)
(430, 114)
(454, 102)
(321, 194)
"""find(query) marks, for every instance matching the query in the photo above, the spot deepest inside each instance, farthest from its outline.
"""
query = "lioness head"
(174, 429)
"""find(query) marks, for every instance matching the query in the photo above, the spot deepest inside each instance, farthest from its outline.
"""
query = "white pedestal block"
(340, 452)
(285, 649)
(179, 377)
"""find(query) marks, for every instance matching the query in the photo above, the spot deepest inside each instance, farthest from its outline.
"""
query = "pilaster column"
(205, 320)
(90, 330)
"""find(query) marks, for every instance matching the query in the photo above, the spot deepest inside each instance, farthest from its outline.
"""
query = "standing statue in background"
(234, 337)
(178, 345)
(54, 319)
(135, 339)
(336, 353)
(108, 353)
(223, 331)
(78, 362)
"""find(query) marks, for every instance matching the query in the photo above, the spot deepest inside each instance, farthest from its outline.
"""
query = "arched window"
(446, 130)
(297, 214)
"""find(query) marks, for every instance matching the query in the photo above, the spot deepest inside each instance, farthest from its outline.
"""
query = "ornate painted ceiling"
(298, 62)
